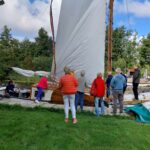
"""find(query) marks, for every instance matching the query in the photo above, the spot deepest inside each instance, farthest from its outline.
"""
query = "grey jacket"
(81, 84)
(136, 76)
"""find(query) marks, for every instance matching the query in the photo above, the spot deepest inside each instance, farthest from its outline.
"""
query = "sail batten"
(80, 41)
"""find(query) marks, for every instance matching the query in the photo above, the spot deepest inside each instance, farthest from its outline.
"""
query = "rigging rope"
(53, 36)
(127, 7)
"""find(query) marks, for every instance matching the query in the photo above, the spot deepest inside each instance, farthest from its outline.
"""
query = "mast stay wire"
(107, 12)
(128, 17)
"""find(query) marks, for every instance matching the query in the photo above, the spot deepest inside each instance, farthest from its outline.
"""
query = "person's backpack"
(93, 89)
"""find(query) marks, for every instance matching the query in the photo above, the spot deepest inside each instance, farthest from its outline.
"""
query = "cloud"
(135, 7)
(137, 38)
(128, 22)
(26, 18)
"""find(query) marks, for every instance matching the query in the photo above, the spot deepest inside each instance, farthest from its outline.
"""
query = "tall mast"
(53, 39)
(109, 63)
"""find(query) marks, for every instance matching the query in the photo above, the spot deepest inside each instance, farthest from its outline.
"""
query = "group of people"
(73, 90)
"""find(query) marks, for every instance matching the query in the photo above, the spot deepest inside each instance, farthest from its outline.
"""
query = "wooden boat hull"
(57, 98)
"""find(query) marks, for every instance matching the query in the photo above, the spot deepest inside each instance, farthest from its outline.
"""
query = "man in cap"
(136, 81)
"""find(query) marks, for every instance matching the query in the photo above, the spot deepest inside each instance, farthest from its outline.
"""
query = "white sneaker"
(36, 101)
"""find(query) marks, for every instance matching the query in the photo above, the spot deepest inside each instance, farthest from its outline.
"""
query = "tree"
(7, 47)
(43, 43)
(42, 63)
(5, 38)
(124, 49)
(145, 51)
(26, 54)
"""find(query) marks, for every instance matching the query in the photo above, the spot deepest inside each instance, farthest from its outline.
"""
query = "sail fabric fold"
(80, 41)
(30, 73)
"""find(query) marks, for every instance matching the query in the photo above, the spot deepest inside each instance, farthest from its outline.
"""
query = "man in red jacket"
(68, 85)
(42, 84)
(99, 93)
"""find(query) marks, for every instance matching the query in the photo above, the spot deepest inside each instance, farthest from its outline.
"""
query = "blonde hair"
(109, 73)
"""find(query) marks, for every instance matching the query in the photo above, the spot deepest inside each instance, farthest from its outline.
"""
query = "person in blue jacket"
(118, 83)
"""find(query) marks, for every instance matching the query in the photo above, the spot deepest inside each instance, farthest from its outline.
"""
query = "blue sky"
(25, 17)
(134, 14)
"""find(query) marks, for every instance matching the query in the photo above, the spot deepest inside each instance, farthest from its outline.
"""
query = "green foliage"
(145, 51)
(26, 54)
(121, 62)
(8, 50)
(124, 51)
(22, 80)
(43, 43)
(37, 55)
(42, 63)
(44, 129)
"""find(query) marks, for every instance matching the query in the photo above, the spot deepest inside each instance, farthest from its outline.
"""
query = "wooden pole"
(53, 38)
(109, 62)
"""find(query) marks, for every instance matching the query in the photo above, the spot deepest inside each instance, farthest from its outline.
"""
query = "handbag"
(93, 89)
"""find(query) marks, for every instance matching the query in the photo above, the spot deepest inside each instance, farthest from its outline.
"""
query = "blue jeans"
(79, 98)
(97, 100)
(39, 94)
(108, 92)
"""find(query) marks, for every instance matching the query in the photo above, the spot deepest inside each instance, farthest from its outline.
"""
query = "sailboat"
(80, 41)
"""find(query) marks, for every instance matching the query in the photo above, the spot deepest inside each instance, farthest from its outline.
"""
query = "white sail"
(80, 41)
(30, 73)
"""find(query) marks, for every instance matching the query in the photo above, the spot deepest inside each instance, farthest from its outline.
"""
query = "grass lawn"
(44, 129)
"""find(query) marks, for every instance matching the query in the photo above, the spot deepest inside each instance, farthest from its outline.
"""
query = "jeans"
(124, 89)
(135, 90)
(97, 100)
(39, 94)
(108, 92)
(117, 96)
(69, 98)
(79, 99)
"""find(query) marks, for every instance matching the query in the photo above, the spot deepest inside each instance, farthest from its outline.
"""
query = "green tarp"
(142, 113)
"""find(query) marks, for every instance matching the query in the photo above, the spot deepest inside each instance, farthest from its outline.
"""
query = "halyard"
(44, 129)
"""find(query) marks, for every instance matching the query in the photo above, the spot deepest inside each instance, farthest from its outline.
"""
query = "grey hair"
(118, 70)
(66, 70)
(82, 73)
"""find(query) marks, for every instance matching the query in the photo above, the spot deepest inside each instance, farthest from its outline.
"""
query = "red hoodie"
(43, 83)
(99, 84)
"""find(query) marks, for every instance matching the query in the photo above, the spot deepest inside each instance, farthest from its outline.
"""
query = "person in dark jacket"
(136, 81)
(125, 86)
(10, 89)
(108, 80)
(99, 84)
